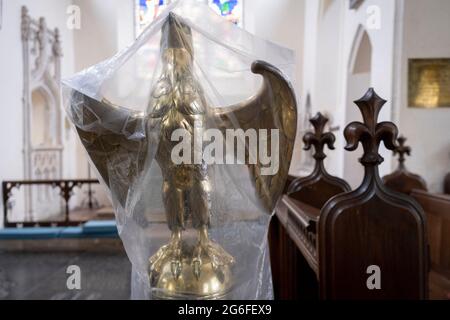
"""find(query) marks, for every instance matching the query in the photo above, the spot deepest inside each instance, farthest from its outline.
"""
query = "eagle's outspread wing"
(114, 138)
(274, 107)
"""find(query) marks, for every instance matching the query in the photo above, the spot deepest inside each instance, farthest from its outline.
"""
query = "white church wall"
(426, 27)
(104, 30)
(278, 21)
(310, 44)
(327, 56)
(281, 21)
(11, 78)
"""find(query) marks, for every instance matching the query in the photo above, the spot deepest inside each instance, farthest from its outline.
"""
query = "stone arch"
(360, 59)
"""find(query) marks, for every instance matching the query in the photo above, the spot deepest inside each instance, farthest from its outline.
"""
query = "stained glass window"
(147, 10)
(230, 9)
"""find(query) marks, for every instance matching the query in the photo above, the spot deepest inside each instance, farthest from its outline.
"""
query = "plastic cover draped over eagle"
(191, 70)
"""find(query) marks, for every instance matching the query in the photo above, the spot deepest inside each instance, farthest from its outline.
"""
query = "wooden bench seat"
(437, 209)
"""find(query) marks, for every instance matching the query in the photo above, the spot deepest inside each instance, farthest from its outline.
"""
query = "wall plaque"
(429, 83)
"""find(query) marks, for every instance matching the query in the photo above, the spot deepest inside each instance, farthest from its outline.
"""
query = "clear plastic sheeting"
(163, 122)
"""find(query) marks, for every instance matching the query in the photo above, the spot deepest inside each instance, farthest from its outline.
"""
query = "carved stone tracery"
(42, 134)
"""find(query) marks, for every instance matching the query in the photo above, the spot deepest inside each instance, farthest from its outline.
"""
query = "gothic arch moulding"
(360, 58)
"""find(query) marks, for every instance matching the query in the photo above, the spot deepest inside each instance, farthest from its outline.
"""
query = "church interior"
(364, 212)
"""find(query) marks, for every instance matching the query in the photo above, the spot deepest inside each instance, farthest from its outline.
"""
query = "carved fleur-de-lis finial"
(402, 150)
(318, 138)
(370, 133)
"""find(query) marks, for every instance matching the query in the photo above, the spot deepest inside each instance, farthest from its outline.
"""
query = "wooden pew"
(372, 241)
(357, 235)
(402, 180)
(447, 184)
(437, 209)
(292, 234)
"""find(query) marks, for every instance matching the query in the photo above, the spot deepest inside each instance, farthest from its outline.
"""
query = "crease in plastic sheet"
(122, 140)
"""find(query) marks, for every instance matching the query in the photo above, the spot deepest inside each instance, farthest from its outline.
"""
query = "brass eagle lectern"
(202, 269)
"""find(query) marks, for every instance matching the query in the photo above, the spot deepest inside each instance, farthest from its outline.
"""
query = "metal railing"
(66, 191)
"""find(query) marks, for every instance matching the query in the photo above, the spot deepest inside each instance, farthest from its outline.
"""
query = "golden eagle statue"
(177, 101)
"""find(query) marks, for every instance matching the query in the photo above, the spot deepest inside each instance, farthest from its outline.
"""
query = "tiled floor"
(40, 273)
